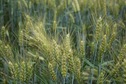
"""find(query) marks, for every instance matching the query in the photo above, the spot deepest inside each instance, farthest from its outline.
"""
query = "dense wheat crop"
(62, 41)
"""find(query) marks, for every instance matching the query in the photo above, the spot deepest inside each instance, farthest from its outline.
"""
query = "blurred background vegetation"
(62, 41)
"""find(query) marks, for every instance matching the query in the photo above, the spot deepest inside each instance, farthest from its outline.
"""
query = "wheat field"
(62, 41)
